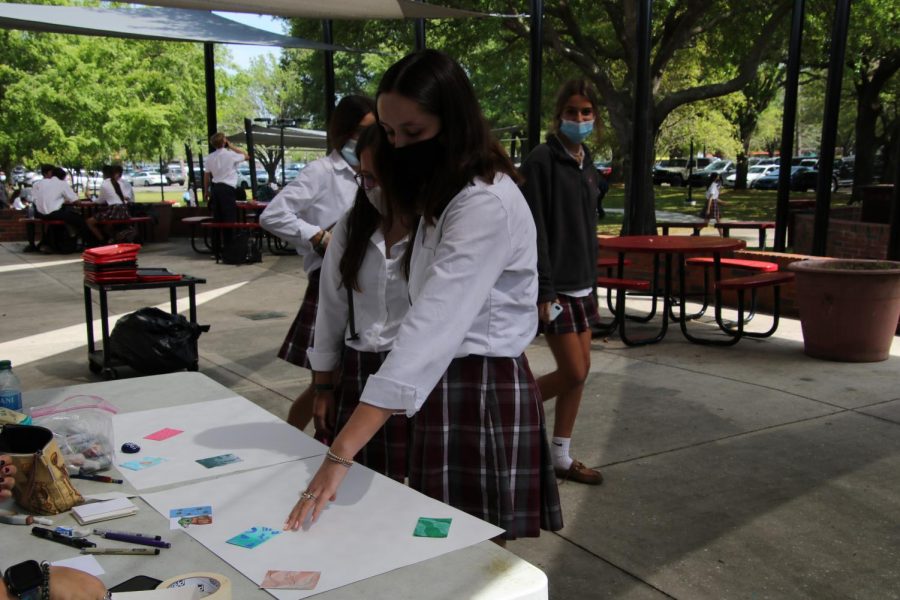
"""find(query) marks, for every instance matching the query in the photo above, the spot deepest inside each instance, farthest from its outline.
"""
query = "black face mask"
(414, 166)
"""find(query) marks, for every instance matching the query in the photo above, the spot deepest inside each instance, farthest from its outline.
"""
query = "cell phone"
(138, 583)
(556, 309)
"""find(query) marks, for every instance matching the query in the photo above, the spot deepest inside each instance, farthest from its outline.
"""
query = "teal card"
(433, 528)
(253, 537)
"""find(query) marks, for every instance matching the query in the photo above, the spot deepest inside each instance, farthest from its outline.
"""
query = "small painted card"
(433, 528)
(142, 463)
(253, 537)
(163, 434)
(290, 580)
(219, 461)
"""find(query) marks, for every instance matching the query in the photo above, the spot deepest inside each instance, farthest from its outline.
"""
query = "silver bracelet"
(338, 459)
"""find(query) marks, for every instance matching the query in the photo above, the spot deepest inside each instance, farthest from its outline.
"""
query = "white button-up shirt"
(222, 166)
(50, 194)
(315, 200)
(108, 195)
(378, 307)
(473, 285)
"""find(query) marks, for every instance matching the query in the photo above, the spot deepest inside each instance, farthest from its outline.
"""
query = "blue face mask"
(349, 153)
(576, 132)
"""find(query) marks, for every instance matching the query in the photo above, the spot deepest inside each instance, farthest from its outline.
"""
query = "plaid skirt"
(300, 336)
(112, 212)
(387, 451)
(578, 315)
(479, 444)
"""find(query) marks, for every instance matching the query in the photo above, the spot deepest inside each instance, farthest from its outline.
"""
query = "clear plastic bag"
(83, 428)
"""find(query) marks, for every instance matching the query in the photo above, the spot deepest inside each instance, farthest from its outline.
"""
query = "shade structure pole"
(192, 183)
(248, 132)
(420, 34)
(282, 153)
(328, 38)
(639, 198)
(536, 58)
(202, 177)
(162, 181)
(788, 123)
(209, 67)
(829, 124)
(893, 251)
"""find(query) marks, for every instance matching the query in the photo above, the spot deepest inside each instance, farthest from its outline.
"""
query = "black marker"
(49, 534)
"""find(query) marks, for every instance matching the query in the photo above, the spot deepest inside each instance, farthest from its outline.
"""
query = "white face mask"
(377, 200)
(349, 153)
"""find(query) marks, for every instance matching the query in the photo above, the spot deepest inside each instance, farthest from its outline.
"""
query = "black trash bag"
(241, 249)
(153, 341)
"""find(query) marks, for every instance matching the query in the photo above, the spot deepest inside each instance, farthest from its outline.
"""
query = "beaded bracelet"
(45, 581)
(338, 459)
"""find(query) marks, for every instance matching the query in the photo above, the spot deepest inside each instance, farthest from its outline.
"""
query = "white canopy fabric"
(169, 24)
(293, 137)
(327, 9)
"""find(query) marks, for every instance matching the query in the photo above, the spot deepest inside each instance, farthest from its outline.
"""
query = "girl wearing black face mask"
(458, 360)
(363, 297)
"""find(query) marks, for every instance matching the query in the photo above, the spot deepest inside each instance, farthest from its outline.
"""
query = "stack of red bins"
(116, 263)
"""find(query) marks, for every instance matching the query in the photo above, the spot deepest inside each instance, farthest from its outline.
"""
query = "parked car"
(262, 177)
(80, 180)
(290, 174)
(604, 167)
(803, 178)
(721, 167)
(148, 178)
(676, 171)
(174, 174)
(753, 173)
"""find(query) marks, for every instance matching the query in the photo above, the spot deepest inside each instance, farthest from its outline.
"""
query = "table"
(485, 570)
(761, 226)
(669, 247)
(101, 361)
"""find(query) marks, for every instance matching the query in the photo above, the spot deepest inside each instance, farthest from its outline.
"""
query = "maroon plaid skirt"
(578, 315)
(387, 451)
(479, 444)
(300, 336)
(112, 212)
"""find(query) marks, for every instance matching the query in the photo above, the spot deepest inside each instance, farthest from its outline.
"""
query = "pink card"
(163, 434)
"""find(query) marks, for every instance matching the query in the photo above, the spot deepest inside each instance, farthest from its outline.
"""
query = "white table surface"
(482, 571)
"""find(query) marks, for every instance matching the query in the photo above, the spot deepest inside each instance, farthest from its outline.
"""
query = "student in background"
(303, 214)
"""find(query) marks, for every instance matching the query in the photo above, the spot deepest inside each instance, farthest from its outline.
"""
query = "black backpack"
(241, 249)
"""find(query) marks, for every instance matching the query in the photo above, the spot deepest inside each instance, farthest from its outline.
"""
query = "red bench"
(30, 230)
(219, 228)
(755, 266)
(753, 282)
(194, 223)
(695, 225)
(141, 222)
(621, 285)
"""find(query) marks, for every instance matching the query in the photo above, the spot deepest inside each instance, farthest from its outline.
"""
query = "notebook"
(103, 511)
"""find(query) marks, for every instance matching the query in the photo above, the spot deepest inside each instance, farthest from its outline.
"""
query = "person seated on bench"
(50, 196)
(114, 198)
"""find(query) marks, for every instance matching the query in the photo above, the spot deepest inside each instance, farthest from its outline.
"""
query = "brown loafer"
(578, 472)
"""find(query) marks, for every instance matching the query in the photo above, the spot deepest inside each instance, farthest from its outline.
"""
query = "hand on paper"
(323, 488)
(72, 584)
(7, 482)
(323, 412)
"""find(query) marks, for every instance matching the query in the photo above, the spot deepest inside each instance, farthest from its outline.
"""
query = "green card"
(433, 528)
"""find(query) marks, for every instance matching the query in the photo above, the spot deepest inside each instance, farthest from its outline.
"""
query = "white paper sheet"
(88, 564)
(170, 594)
(367, 531)
(232, 425)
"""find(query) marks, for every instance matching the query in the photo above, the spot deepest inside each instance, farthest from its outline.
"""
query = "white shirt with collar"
(222, 166)
(315, 200)
(108, 195)
(378, 307)
(473, 285)
(49, 194)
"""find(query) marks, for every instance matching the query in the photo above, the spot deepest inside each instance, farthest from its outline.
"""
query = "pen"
(49, 534)
(102, 478)
(98, 531)
(14, 519)
(143, 551)
(134, 539)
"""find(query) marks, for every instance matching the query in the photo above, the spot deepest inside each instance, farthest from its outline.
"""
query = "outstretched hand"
(318, 494)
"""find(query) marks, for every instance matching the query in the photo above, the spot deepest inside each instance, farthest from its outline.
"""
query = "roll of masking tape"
(210, 585)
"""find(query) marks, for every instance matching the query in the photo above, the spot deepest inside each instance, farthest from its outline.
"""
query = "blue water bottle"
(10, 388)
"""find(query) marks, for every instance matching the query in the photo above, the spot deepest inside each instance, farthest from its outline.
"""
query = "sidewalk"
(743, 472)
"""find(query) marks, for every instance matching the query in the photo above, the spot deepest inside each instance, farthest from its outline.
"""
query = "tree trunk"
(866, 116)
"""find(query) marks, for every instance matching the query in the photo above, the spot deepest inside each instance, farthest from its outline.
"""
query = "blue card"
(253, 537)
(218, 461)
(142, 463)
(191, 511)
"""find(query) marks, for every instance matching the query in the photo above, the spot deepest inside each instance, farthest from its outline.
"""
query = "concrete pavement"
(743, 472)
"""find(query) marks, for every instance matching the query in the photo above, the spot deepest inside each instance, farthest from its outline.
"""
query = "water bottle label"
(11, 399)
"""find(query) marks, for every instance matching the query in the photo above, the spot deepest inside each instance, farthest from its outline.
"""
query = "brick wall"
(847, 236)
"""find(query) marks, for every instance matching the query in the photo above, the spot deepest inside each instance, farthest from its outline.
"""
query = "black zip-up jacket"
(564, 201)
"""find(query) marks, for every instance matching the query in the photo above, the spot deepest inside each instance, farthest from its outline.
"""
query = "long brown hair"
(346, 117)
(440, 87)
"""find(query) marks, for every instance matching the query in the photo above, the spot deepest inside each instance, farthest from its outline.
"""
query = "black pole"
(536, 58)
(203, 177)
(690, 197)
(788, 123)
(162, 181)
(248, 133)
(639, 197)
(893, 250)
(420, 34)
(282, 154)
(192, 183)
(829, 124)
(209, 64)
(328, 38)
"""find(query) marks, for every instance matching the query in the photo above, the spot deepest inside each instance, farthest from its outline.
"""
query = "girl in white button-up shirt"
(457, 364)
(303, 213)
(355, 332)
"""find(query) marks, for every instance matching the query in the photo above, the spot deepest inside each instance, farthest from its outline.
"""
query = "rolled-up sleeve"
(471, 252)
(331, 315)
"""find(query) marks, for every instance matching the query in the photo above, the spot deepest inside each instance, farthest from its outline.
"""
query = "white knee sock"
(559, 449)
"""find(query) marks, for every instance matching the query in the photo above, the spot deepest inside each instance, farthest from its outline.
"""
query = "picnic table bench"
(696, 225)
(725, 228)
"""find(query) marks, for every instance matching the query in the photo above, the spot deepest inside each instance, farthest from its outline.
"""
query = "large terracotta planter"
(848, 308)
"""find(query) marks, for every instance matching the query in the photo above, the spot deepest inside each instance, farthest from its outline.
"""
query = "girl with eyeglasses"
(562, 187)
(303, 214)
(363, 297)
(457, 363)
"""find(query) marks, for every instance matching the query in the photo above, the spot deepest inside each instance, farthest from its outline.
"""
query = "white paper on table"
(229, 426)
(169, 594)
(109, 496)
(367, 531)
(88, 564)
